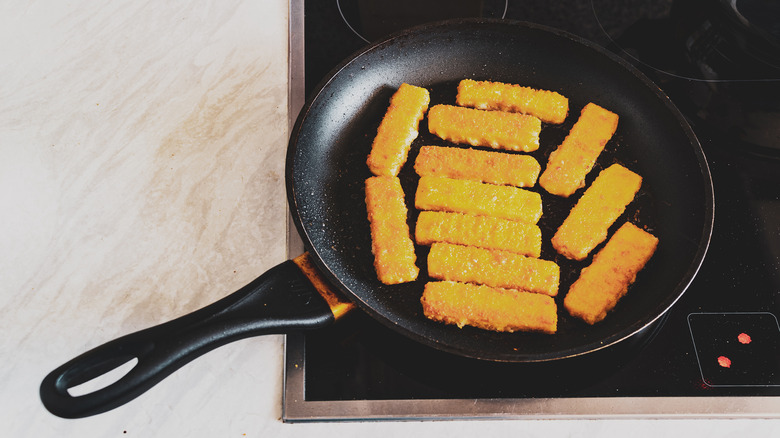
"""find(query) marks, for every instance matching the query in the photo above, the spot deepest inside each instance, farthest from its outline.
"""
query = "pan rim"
(666, 304)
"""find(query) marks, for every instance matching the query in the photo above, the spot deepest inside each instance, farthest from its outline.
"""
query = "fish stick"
(503, 310)
(603, 202)
(484, 166)
(495, 129)
(568, 165)
(614, 268)
(398, 129)
(549, 106)
(391, 243)
(494, 268)
(480, 231)
(472, 197)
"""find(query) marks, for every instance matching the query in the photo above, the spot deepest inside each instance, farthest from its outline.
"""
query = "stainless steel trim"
(296, 97)
(298, 409)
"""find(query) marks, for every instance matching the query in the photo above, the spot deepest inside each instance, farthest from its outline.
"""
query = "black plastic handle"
(280, 300)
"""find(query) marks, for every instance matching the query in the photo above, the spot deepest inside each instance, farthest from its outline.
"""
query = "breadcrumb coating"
(495, 129)
(480, 231)
(398, 129)
(549, 106)
(494, 268)
(492, 167)
(489, 308)
(391, 243)
(472, 197)
(568, 165)
(614, 268)
(603, 202)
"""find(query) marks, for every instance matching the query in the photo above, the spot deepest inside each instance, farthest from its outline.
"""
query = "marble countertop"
(142, 154)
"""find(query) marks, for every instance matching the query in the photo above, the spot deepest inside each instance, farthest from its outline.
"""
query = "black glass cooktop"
(722, 338)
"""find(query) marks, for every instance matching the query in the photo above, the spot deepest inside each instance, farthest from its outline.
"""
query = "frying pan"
(325, 174)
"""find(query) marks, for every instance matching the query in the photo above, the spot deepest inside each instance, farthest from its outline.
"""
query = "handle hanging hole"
(104, 380)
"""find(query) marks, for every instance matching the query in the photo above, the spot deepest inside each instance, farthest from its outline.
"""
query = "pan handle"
(281, 300)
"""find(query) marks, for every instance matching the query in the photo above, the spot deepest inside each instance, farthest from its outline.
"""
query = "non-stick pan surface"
(331, 140)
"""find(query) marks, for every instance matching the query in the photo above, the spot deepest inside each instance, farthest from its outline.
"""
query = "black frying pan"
(325, 178)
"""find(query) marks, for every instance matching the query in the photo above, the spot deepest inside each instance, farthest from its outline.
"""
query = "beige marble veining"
(141, 177)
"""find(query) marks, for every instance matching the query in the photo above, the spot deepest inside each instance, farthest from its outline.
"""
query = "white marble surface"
(141, 177)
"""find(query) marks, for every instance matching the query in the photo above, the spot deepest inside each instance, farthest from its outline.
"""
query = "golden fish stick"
(603, 202)
(568, 165)
(472, 197)
(494, 268)
(497, 309)
(495, 129)
(614, 268)
(485, 166)
(398, 129)
(480, 231)
(549, 106)
(391, 243)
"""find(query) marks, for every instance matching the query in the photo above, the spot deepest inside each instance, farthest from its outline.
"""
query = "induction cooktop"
(716, 353)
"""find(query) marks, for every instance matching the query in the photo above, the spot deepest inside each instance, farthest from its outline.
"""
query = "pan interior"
(332, 138)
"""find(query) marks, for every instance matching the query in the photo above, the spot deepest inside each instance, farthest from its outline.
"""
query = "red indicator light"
(724, 361)
(744, 338)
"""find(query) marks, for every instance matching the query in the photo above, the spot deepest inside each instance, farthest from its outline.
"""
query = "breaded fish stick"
(391, 244)
(472, 197)
(614, 268)
(503, 310)
(494, 268)
(480, 231)
(496, 129)
(398, 129)
(570, 163)
(598, 208)
(549, 106)
(485, 166)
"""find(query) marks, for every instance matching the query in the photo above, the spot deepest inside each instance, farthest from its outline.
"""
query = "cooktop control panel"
(737, 348)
